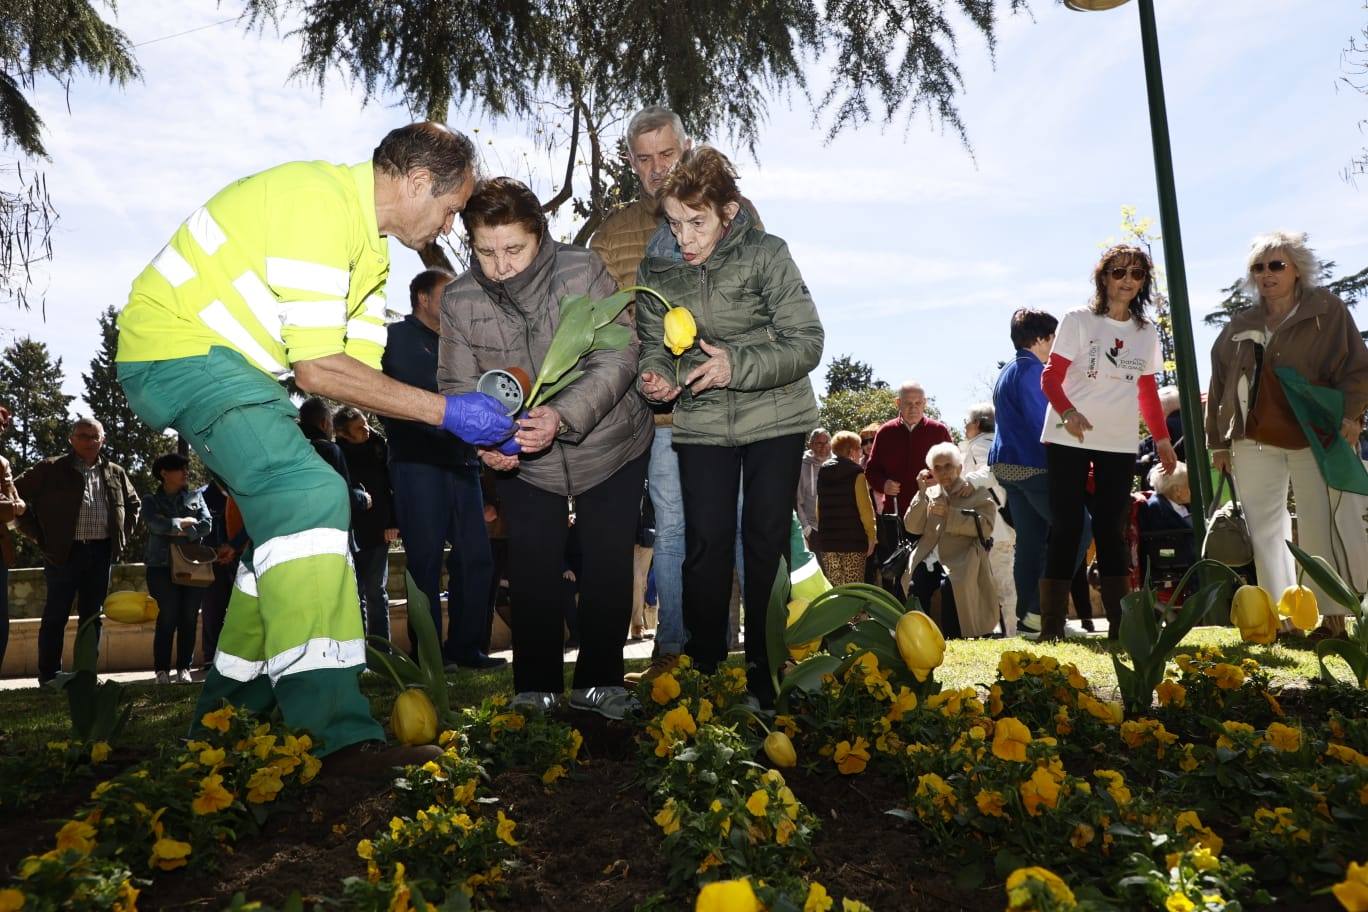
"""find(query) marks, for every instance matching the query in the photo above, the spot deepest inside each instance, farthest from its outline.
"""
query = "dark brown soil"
(587, 844)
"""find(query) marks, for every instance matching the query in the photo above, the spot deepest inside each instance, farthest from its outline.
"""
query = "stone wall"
(128, 647)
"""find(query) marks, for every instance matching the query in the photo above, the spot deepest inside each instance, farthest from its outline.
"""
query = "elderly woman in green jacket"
(744, 401)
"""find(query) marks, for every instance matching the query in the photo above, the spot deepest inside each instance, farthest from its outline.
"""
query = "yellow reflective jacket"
(287, 265)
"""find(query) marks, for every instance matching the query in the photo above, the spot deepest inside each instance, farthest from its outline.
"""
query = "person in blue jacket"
(1018, 458)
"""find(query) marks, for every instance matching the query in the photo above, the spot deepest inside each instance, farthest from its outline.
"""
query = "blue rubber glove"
(478, 419)
(510, 447)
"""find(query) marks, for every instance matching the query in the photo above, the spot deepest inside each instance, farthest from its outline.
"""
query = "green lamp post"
(1189, 390)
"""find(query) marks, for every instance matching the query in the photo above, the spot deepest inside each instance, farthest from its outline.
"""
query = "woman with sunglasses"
(1102, 365)
(1252, 431)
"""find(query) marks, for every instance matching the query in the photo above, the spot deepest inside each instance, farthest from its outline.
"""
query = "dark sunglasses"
(1273, 266)
(1139, 273)
(866, 441)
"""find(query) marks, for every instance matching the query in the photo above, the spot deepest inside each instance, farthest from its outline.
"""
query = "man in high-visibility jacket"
(285, 271)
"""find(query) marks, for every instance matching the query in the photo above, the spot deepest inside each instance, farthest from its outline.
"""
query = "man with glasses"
(81, 511)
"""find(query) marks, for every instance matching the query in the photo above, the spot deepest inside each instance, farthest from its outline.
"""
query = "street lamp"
(1189, 392)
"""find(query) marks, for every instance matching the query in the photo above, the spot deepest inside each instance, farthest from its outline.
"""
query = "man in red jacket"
(900, 449)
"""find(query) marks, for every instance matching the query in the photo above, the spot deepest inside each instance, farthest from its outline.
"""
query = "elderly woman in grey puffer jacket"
(583, 455)
(745, 402)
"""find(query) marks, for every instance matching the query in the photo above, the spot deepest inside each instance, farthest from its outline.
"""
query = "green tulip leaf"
(1323, 575)
(1351, 653)
(822, 617)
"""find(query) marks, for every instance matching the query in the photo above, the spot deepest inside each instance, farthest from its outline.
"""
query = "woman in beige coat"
(952, 529)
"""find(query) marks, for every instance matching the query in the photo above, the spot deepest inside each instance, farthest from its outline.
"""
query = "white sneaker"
(610, 702)
(182, 676)
(163, 677)
(539, 700)
(1028, 628)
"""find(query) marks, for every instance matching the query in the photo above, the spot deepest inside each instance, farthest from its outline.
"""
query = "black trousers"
(765, 475)
(537, 538)
(214, 607)
(1112, 474)
(84, 578)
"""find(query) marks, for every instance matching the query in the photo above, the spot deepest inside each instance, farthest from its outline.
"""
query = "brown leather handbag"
(1270, 419)
(192, 564)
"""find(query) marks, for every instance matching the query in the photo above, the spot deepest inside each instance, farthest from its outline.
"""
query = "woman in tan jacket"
(953, 528)
(1252, 432)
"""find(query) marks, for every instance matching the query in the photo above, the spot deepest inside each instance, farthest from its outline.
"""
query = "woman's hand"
(715, 373)
(498, 461)
(1167, 457)
(924, 480)
(1351, 429)
(1220, 460)
(1076, 424)
(657, 388)
(184, 524)
(538, 429)
(938, 507)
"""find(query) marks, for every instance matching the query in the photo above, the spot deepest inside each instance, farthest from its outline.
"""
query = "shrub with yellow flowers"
(1185, 880)
(502, 738)
(429, 857)
(1208, 685)
(28, 778)
(72, 881)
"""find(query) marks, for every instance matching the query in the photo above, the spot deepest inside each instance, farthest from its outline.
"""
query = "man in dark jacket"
(367, 457)
(436, 482)
(81, 510)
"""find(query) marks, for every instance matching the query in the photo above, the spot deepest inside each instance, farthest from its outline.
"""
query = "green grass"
(161, 713)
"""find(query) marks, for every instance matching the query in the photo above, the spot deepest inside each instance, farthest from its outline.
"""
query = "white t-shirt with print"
(1107, 358)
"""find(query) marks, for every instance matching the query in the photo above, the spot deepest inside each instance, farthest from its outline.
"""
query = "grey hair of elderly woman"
(981, 416)
(944, 449)
(1293, 246)
(1163, 483)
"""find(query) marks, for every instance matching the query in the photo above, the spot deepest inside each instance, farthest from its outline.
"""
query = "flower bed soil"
(587, 843)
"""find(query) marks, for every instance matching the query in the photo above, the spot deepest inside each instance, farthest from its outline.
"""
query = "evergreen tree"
(845, 373)
(128, 441)
(576, 70)
(53, 40)
(31, 388)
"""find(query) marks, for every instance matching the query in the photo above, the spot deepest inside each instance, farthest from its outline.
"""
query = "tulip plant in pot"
(1148, 639)
(423, 707)
(820, 636)
(1354, 650)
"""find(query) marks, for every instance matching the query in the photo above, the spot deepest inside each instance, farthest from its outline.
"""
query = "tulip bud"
(1252, 611)
(130, 607)
(414, 719)
(1299, 604)
(680, 330)
(800, 651)
(920, 643)
(780, 750)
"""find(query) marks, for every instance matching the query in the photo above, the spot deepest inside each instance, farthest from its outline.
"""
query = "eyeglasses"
(1273, 266)
(1139, 273)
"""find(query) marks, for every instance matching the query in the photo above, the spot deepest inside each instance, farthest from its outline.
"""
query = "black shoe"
(1088, 625)
(478, 661)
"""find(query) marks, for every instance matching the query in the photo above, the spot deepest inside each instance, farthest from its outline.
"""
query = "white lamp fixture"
(1092, 6)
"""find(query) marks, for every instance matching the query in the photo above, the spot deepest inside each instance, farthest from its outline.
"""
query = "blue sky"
(915, 252)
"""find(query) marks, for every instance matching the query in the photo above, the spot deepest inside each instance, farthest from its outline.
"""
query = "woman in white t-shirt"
(1100, 372)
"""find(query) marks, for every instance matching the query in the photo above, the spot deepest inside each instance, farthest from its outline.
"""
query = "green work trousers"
(293, 635)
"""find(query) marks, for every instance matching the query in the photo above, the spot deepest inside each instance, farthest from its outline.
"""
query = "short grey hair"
(1291, 244)
(911, 385)
(817, 432)
(945, 448)
(83, 421)
(1162, 483)
(981, 416)
(1170, 399)
(652, 118)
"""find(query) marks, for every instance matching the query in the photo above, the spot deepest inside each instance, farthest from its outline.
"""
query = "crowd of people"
(283, 272)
